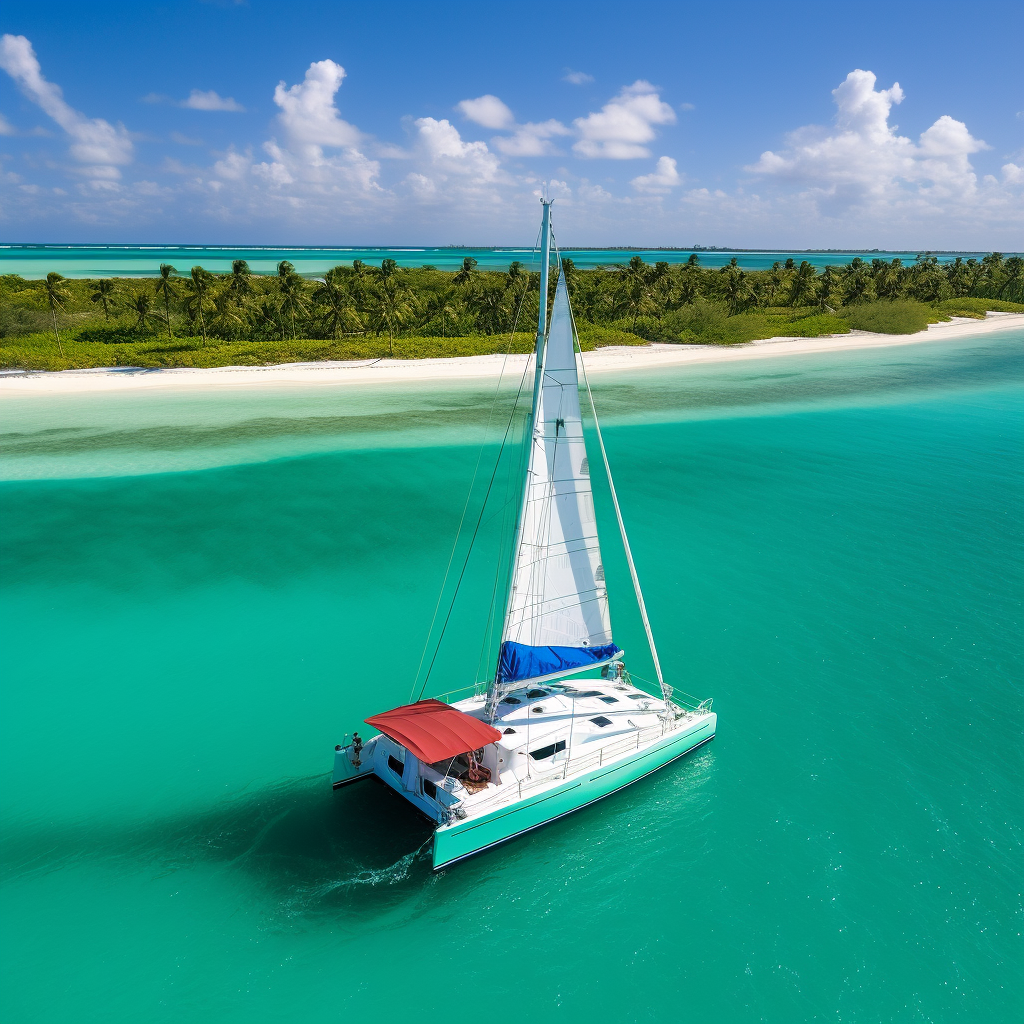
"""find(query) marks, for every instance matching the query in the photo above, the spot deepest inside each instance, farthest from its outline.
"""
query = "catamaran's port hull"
(462, 839)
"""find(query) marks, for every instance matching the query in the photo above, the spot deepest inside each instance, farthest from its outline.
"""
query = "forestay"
(558, 617)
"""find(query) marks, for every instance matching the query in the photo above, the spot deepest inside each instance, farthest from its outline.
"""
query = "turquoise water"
(36, 261)
(831, 548)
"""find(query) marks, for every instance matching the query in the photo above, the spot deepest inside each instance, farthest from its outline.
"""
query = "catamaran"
(561, 723)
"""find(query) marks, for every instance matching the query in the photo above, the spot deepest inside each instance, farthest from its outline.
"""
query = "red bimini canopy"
(432, 730)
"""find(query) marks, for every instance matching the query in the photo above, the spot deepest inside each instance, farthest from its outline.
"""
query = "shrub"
(18, 320)
(116, 334)
(647, 327)
(978, 307)
(902, 316)
(596, 335)
(702, 320)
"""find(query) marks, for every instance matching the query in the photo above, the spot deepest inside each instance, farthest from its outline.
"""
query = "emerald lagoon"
(204, 590)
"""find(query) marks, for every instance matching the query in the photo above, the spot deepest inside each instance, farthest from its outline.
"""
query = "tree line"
(649, 300)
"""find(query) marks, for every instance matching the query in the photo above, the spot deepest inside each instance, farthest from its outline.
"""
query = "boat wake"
(310, 897)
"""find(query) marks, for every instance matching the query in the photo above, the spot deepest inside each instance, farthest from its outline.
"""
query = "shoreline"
(464, 368)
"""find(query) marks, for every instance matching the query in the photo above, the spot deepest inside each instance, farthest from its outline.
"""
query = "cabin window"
(539, 710)
(536, 693)
(508, 732)
(511, 700)
(586, 693)
(549, 751)
(640, 696)
(429, 789)
(601, 721)
(395, 765)
(610, 700)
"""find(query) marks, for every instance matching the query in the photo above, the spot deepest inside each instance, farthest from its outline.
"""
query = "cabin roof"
(433, 730)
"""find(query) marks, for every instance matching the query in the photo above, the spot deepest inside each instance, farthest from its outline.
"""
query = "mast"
(542, 320)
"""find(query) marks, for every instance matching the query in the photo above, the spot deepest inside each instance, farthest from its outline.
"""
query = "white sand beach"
(383, 371)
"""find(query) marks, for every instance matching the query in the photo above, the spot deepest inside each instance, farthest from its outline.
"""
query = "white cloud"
(199, 100)
(308, 114)
(6, 128)
(98, 146)
(1013, 174)
(233, 166)
(621, 128)
(864, 160)
(664, 177)
(532, 139)
(441, 148)
(577, 77)
(487, 111)
(687, 106)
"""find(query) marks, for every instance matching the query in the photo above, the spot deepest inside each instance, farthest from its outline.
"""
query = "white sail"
(559, 597)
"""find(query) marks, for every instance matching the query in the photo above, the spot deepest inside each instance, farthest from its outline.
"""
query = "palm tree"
(240, 282)
(888, 278)
(292, 302)
(1014, 268)
(392, 306)
(737, 292)
(199, 300)
(803, 284)
(56, 295)
(635, 280)
(103, 292)
(166, 285)
(445, 307)
(515, 272)
(143, 306)
(387, 269)
(336, 302)
(829, 289)
(465, 275)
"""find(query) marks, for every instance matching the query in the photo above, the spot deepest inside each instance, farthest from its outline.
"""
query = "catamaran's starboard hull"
(462, 839)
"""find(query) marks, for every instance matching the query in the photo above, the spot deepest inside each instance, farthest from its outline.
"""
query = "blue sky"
(745, 124)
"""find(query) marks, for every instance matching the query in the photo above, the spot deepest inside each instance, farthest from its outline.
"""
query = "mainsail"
(557, 618)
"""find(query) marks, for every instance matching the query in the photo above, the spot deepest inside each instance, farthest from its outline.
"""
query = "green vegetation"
(362, 312)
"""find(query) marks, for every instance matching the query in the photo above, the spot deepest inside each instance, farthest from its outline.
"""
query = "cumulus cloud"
(441, 148)
(623, 126)
(96, 145)
(308, 113)
(6, 128)
(864, 160)
(664, 177)
(577, 77)
(1013, 174)
(199, 100)
(532, 139)
(487, 111)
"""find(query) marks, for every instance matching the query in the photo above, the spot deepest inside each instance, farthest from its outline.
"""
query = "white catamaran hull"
(461, 839)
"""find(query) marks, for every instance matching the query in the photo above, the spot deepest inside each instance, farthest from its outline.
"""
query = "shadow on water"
(313, 852)
(307, 848)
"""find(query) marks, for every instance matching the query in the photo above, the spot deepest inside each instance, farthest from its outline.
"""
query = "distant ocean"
(203, 591)
(36, 261)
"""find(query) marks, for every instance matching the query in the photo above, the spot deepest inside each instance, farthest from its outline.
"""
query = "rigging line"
(666, 692)
(472, 484)
(483, 507)
(472, 540)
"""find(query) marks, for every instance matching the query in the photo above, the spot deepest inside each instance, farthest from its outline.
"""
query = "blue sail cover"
(520, 661)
